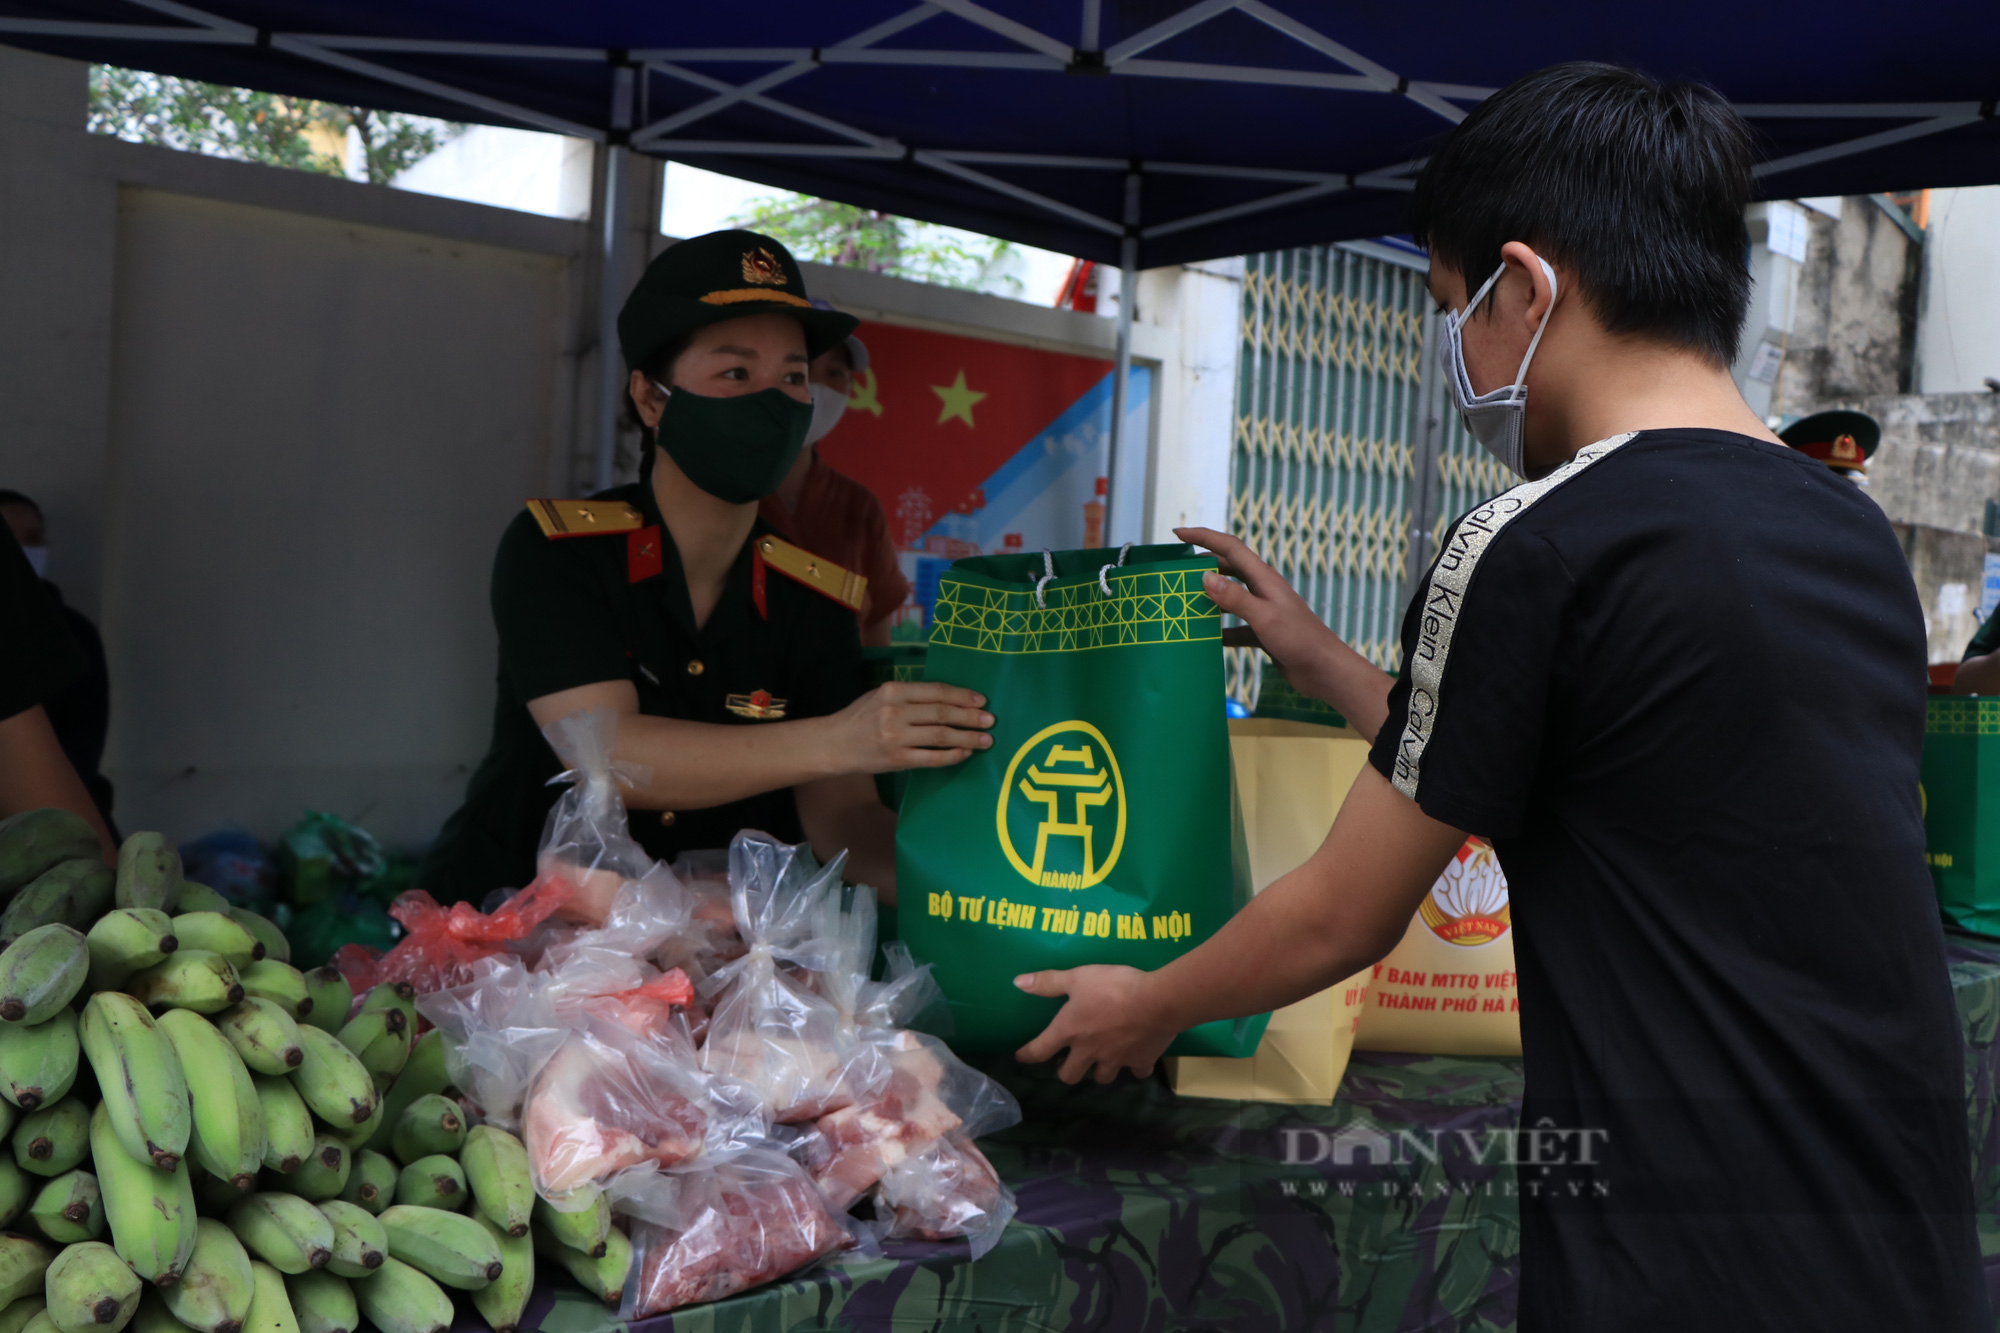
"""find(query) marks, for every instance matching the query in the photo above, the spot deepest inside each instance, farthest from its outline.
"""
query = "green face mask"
(736, 449)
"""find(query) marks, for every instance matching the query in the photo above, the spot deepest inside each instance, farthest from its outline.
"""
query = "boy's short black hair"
(16, 498)
(1634, 186)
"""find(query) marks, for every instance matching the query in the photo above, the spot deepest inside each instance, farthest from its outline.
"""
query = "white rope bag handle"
(1104, 574)
(1049, 572)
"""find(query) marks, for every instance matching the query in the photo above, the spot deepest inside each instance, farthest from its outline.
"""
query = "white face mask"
(1495, 419)
(829, 405)
(38, 559)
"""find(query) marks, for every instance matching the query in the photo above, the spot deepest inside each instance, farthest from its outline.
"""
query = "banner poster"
(977, 447)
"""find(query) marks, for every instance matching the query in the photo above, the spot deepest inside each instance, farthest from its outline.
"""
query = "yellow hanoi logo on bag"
(1063, 803)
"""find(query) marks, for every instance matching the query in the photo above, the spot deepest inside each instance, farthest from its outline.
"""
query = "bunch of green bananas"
(204, 1138)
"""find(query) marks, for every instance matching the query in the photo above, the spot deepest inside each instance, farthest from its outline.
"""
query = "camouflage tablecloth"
(1975, 980)
(1392, 1210)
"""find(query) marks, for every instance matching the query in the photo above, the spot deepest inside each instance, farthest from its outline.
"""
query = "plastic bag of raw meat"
(586, 841)
(907, 1136)
(770, 1028)
(647, 915)
(712, 938)
(623, 1091)
(946, 1187)
(910, 1143)
(735, 1224)
(442, 944)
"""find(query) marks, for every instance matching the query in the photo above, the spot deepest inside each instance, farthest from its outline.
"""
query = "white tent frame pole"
(123, 32)
(419, 46)
(1093, 17)
(944, 59)
(668, 124)
(611, 255)
(1192, 16)
(1121, 375)
(800, 114)
(174, 9)
(672, 147)
(1012, 191)
(210, 28)
(611, 286)
(298, 46)
(1286, 78)
(798, 68)
(991, 159)
(1850, 111)
(805, 57)
(1242, 173)
(1901, 134)
(1297, 196)
(1326, 46)
(1019, 33)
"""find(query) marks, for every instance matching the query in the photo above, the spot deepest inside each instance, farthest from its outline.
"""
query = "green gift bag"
(1101, 827)
(1961, 791)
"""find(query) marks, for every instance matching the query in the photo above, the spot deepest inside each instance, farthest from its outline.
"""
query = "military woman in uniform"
(732, 659)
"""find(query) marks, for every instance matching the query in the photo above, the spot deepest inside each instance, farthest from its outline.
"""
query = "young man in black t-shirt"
(1734, 1004)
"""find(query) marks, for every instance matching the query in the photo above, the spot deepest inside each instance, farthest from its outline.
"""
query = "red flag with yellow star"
(936, 415)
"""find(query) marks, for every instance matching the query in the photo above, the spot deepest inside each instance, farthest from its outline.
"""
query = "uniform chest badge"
(757, 705)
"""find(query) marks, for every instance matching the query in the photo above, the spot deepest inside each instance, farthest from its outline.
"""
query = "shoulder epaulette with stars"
(584, 518)
(822, 576)
(559, 519)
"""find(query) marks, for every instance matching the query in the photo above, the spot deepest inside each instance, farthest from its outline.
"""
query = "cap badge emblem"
(761, 268)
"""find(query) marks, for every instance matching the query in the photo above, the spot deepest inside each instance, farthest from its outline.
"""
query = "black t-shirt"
(1680, 683)
(39, 659)
(570, 612)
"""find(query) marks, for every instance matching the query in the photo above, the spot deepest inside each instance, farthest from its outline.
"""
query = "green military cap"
(723, 275)
(1842, 440)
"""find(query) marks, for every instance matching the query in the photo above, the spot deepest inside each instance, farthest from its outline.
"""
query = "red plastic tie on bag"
(443, 944)
(647, 1008)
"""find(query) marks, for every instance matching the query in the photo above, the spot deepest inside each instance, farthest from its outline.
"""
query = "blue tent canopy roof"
(1192, 130)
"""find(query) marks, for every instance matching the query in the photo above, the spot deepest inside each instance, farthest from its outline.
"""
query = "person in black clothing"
(81, 712)
(731, 658)
(1744, 1098)
(38, 661)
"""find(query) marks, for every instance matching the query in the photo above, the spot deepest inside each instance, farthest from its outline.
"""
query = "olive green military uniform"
(1985, 640)
(38, 657)
(582, 610)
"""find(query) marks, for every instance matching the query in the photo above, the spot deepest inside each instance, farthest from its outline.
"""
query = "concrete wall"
(1958, 337)
(1938, 466)
(299, 522)
(277, 421)
(1853, 328)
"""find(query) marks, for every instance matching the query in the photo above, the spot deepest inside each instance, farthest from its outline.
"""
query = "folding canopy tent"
(1137, 133)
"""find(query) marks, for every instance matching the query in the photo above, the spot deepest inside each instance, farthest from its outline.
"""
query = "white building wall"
(519, 169)
(1958, 320)
(1199, 309)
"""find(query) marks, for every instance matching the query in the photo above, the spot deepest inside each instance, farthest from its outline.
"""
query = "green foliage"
(250, 126)
(827, 232)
